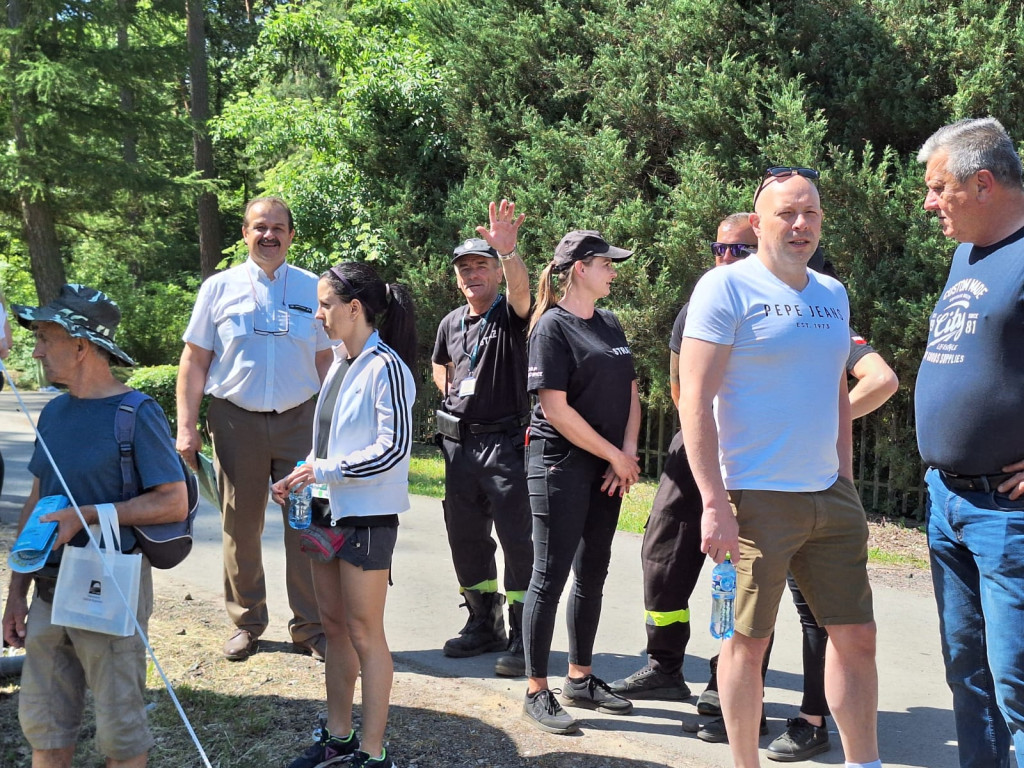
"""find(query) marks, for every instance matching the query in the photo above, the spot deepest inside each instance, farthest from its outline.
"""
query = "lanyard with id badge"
(449, 424)
(468, 386)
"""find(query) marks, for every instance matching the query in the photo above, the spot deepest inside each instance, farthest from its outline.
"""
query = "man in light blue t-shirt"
(766, 425)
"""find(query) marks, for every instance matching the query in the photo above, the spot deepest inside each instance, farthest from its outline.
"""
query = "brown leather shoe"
(241, 646)
(316, 647)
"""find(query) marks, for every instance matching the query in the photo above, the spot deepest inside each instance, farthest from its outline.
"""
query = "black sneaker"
(800, 741)
(543, 710)
(363, 760)
(326, 750)
(594, 693)
(650, 683)
(708, 704)
(714, 730)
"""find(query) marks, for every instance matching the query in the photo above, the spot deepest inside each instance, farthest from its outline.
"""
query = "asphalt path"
(915, 720)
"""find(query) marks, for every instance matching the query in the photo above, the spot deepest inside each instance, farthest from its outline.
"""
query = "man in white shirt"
(254, 345)
(767, 428)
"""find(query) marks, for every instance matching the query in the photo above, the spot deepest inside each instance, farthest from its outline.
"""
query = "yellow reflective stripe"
(516, 596)
(491, 585)
(664, 618)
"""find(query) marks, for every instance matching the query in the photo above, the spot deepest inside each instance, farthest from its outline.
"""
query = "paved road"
(915, 718)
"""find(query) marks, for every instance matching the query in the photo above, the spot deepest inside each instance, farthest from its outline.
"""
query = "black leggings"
(815, 641)
(573, 527)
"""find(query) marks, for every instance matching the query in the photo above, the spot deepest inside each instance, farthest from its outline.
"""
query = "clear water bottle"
(723, 597)
(300, 506)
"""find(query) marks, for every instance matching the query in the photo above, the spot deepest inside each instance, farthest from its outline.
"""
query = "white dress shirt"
(263, 335)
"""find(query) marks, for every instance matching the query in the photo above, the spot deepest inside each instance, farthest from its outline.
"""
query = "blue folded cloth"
(33, 546)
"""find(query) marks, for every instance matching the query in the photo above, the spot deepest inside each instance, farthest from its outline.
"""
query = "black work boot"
(485, 629)
(513, 663)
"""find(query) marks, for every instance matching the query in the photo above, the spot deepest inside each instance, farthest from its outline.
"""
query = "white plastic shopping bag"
(86, 597)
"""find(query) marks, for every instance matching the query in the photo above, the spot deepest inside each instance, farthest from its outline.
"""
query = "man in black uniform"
(479, 364)
(671, 555)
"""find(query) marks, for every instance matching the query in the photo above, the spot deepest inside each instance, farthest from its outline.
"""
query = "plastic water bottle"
(299, 506)
(723, 596)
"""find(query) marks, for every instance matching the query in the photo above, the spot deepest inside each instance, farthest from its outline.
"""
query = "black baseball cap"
(581, 244)
(474, 245)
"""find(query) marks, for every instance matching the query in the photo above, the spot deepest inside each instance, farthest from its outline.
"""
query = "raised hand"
(504, 230)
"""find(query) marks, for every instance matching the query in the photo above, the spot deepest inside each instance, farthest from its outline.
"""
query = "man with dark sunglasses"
(671, 556)
(806, 734)
(767, 428)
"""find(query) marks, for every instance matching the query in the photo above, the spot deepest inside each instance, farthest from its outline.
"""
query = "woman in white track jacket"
(359, 470)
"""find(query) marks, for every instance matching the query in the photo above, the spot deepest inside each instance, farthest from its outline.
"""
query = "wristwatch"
(510, 255)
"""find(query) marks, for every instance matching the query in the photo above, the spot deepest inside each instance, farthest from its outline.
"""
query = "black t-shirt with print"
(590, 361)
(500, 370)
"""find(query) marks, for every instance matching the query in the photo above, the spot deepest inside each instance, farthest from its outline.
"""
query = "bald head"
(770, 189)
(787, 219)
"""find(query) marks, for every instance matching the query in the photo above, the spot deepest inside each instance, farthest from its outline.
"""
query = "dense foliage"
(389, 125)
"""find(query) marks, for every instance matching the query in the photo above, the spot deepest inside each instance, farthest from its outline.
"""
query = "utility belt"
(981, 483)
(455, 428)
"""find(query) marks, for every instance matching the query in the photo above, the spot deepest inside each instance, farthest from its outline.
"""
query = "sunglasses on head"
(782, 172)
(739, 250)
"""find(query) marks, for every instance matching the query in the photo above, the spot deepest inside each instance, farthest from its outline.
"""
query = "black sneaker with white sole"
(594, 693)
(543, 710)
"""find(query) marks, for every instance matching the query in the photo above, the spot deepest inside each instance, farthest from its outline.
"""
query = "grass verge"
(426, 478)
(879, 556)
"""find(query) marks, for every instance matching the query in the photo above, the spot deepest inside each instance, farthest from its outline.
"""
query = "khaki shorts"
(821, 537)
(60, 662)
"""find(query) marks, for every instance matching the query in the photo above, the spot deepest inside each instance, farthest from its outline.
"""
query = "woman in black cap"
(581, 460)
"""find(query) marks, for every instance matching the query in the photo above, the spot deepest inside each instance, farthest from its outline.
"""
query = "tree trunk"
(210, 238)
(37, 215)
(129, 149)
(40, 231)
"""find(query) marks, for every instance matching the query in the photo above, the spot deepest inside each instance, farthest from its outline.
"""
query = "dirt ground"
(261, 713)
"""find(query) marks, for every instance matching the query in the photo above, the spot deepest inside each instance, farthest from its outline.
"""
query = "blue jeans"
(976, 546)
